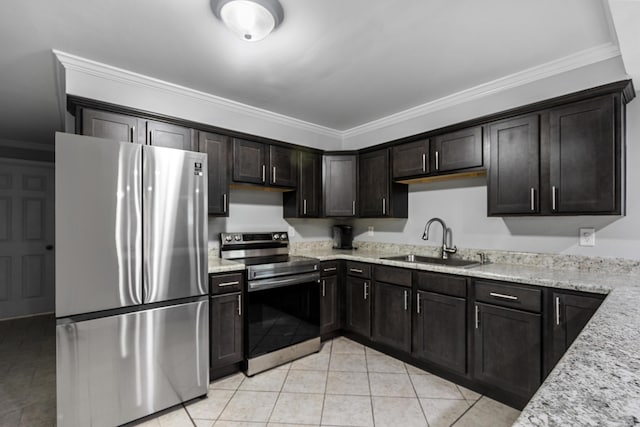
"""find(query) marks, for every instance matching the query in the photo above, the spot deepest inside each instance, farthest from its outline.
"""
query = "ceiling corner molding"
(574, 61)
(108, 72)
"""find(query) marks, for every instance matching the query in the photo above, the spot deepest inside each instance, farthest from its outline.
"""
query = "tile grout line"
(424, 413)
(230, 399)
(366, 364)
(464, 413)
(326, 380)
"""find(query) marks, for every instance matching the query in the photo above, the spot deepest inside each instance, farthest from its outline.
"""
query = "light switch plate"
(370, 230)
(587, 237)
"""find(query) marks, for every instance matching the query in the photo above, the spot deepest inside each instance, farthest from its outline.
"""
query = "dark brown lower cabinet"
(440, 330)
(358, 306)
(392, 316)
(571, 313)
(508, 347)
(329, 305)
(226, 330)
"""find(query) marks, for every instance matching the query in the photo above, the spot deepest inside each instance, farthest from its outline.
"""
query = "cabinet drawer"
(508, 295)
(224, 283)
(442, 284)
(394, 275)
(359, 269)
(328, 268)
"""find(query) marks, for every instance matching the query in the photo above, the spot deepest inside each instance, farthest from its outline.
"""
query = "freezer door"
(117, 369)
(98, 224)
(175, 224)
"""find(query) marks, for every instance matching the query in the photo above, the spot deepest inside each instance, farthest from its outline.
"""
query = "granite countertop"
(219, 265)
(597, 382)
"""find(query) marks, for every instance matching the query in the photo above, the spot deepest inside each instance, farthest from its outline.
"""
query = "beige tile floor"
(345, 384)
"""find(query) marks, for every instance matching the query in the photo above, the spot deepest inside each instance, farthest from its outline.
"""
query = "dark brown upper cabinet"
(514, 167)
(170, 136)
(339, 196)
(121, 127)
(104, 124)
(306, 201)
(379, 196)
(217, 149)
(585, 157)
(263, 164)
(411, 159)
(461, 149)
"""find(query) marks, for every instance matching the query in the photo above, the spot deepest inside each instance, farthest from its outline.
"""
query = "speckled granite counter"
(597, 382)
(219, 265)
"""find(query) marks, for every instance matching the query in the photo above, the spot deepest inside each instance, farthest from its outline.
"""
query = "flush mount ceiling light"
(251, 20)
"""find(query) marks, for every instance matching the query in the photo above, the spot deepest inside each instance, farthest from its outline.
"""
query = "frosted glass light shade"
(251, 20)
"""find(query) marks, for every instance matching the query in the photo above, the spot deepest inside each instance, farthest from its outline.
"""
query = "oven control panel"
(253, 238)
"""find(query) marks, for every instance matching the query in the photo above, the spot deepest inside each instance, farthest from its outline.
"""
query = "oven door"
(282, 312)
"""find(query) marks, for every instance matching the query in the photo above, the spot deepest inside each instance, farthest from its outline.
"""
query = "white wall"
(463, 206)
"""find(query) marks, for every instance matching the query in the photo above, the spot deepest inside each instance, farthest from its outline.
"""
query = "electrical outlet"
(370, 230)
(587, 237)
(291, 232)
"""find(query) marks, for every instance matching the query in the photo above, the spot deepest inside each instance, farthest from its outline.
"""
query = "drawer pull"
(503, 296)
(222, 285)
(329, 269)
(355, 270)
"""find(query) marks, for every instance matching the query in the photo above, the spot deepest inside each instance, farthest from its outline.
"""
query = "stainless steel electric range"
(282, 298)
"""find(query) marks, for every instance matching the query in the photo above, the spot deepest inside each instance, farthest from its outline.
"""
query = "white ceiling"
(334, 63)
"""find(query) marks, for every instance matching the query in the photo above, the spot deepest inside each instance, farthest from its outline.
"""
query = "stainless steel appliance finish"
(131, 275)
(115, 369)
(282, 299)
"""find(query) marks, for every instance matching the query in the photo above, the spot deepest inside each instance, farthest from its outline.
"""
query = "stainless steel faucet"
(445, 249)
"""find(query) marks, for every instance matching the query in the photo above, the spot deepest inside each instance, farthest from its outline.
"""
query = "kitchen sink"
(433, 260)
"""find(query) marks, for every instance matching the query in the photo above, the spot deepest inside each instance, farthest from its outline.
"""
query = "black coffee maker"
(342, 237)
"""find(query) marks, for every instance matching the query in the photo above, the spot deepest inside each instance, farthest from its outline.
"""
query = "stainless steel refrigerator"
(132, 314)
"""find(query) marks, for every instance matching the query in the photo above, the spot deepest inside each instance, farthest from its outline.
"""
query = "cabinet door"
(170, 136)
(217, 149)
(249, 162)
(411, 159)
(329, 309)
(358, 309)
(571, 313)
(226, 330)
(102, 124)
(457, 150)
(584, 157)
(440, 331)
(283, 168)
(309, 184)
(508, 349)
(374, 183)
(392, 316)
(339, 194)
(514, 171)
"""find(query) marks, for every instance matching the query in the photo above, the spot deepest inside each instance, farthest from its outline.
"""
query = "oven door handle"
(257, 285)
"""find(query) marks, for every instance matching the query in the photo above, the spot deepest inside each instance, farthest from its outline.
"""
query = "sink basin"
(452, 262)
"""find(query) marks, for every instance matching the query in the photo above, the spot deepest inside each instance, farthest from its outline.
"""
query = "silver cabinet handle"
(353, 207)
(418, 303)
(224, 203)
(533, 199)
(384, 206)
(323, 287)
(553, 198)
(329, 269)
(355, 270)
(264, 169)
(274, 174)
(406, 300)
(424, 162)
(503, 296)
(437, 160)
(150, 133)
(477, 317)
(558, 311)
(366, 288)
(222, 285)
(133, 131)
(304, 206)
(239, 304)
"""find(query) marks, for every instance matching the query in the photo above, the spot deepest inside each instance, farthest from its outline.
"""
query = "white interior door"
(26, 238)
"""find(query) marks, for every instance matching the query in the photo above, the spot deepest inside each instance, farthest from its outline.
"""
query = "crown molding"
(104, 71)
(580, 59)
